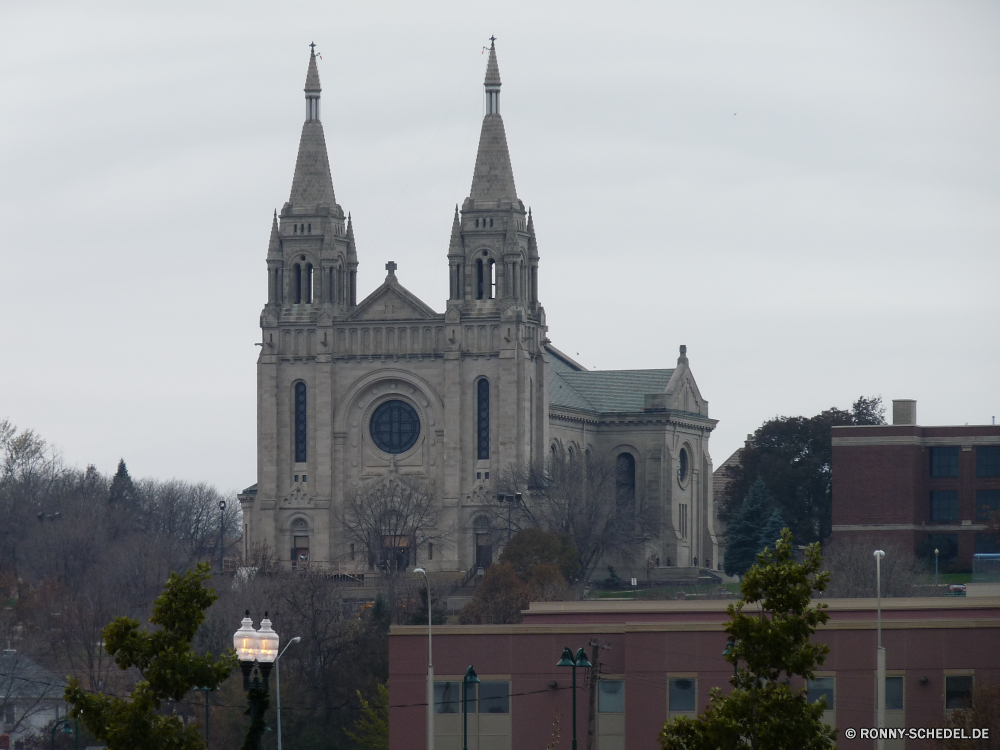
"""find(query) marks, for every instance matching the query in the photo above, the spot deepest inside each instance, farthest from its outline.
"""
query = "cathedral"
(351, 391)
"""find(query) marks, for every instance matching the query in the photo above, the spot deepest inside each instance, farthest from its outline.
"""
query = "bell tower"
(493, 310)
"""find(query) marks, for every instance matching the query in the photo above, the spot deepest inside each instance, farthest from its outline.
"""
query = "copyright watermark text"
(916, 733)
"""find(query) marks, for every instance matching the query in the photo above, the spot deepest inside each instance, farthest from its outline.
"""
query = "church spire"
(312, 183)
(455, 246)
(493, 178)
(274, 243)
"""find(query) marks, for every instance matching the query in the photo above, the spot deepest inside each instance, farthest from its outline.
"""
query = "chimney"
(904, 411)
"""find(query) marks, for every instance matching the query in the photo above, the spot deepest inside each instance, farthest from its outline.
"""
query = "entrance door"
(484, 550)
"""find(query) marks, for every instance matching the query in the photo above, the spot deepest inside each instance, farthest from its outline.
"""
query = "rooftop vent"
(904, 411)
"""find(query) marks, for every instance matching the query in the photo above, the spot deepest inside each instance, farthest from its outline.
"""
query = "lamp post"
(469, 678)
(936, 552)
(277, 682)
(430, 665)
(64, 723)
(510, 500)
(207, 691)
(569, 660)
(731, 651)
(257, 650)
(880, 653)
(222, 536)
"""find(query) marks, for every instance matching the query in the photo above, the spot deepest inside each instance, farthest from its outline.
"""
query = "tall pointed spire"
(455, 245)
(493, 178)
(274, 243)
(350, 232)
(312, 183)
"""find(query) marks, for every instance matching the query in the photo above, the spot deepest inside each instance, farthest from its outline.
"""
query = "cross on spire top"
(493, 41)
(312, 47)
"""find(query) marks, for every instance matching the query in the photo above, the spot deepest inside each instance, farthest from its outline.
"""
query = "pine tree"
(122, 490)
(743, 535)
(771, 530)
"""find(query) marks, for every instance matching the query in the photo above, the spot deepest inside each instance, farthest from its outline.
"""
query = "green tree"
(761, 712)
(745, 535)
(371, 730)
(169, 668)
(122, 491)
(793, 457)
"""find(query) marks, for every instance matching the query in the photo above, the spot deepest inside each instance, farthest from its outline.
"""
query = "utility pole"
(595, 648)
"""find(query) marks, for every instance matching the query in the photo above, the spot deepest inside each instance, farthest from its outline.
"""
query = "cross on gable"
(391, 267)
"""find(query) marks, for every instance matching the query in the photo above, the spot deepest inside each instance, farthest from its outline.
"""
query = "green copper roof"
(602, 391)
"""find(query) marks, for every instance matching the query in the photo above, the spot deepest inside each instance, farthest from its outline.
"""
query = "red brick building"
(927, 487)
(660, 659)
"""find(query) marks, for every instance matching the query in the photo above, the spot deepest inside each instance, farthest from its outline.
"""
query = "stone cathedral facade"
(352, 390)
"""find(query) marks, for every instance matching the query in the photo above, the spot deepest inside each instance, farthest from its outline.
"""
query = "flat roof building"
(925, 487)
(655, 660)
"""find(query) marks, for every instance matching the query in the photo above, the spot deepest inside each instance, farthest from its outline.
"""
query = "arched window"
(309, 283)
(625, 481)
(300, 543)
(300, 423)
(682, 467)
(297, 275)
(483, 419)
(479, 279)
(493, 280)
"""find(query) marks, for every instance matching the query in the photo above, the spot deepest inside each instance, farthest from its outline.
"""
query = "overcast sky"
(807, 195)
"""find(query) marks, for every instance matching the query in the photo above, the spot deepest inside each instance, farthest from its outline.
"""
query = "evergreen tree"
(743, 535)
(770, 531)
(769, 645)
(122, 490)
(371, 730)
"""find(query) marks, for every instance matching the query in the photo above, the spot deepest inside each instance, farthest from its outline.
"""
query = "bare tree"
(852, 567)
(590, 499)
(389, 517)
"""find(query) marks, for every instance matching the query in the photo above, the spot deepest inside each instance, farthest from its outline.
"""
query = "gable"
(392, 302)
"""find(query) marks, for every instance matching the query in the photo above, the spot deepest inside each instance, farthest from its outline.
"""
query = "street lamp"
(880, 653)
(207, 690)
(936, 552)
(430, 665)
(510, 500)
(64, 723)
(470, 678)
(257, 650)
(277, 682)
(569, 660)
(222, 536)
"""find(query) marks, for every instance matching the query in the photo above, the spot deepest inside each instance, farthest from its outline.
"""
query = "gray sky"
(806, 194)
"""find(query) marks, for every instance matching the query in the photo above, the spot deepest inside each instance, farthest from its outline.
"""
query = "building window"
(611, 696)
(944, 462)
(430, 550)
(446, 697)
(987, 544)
(300, 542)
(945, 544)
(479, 279)
(944, 506)
(483, 419)
(988, 461)
(297, 276)
(300, 423)
(682, 467)
(394, 427)
(625, 482)
(494, 697)
(957, 691)
(822, 687)
(987, 503)
(893, 693)
(683, 694)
